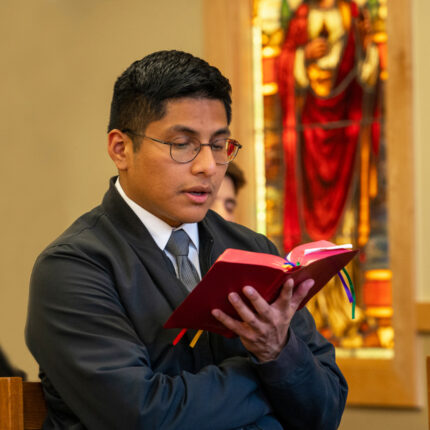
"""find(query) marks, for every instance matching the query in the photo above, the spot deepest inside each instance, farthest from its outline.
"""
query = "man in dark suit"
(225, 202)
(102, 291)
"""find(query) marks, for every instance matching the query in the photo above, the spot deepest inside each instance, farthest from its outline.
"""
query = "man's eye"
(230, 205)
(218, 145)
(182, 144)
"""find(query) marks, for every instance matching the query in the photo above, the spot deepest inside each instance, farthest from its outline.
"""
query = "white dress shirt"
(161, 231)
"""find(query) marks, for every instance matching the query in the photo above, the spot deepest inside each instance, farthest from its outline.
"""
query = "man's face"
(177, 193)
(225, 201)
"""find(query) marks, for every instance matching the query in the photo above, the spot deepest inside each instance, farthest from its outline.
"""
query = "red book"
(234, 269)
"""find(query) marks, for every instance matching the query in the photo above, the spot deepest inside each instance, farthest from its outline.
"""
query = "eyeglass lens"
(223, 150)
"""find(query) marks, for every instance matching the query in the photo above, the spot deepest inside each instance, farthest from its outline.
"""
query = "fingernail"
(215, 312)
(249, 290)
(310, 283)
(233, 297)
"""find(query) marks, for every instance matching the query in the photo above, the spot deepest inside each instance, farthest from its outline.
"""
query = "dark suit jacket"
(99, 296)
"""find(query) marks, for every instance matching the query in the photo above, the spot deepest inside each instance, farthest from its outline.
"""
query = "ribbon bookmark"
(179, 336)
(350, 292)
(196, 338)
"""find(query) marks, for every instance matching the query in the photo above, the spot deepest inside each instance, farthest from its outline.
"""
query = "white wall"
(59, 60)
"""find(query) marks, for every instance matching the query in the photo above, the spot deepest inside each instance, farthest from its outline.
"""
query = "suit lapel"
(140, 240)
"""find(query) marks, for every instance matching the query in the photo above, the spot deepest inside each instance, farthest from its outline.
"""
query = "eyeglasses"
(186, 148)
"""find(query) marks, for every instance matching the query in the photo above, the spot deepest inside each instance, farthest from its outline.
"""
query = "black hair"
(141, 92)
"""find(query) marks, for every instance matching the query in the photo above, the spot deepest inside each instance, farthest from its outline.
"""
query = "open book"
(235, 269)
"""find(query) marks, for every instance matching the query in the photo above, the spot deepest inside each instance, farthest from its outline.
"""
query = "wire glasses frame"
(224, 150)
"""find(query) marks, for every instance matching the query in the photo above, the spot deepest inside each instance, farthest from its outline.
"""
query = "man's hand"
(264, 329)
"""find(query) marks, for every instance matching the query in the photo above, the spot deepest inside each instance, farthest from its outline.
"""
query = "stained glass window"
(319, 81)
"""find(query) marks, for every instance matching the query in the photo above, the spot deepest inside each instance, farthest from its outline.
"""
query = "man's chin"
(188, 217)
(196, 216)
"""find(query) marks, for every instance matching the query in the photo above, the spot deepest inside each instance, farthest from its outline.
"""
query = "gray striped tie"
(178, 246)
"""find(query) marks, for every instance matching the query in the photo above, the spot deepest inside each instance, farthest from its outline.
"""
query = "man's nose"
(204, 162)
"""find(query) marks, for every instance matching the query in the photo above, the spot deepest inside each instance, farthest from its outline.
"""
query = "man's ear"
(119, 144)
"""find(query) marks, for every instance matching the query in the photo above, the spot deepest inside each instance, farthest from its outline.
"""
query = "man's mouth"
(199, 189)
(198, 195)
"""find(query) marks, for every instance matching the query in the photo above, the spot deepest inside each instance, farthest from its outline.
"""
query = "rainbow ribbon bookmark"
(181, 335)
(350, 292)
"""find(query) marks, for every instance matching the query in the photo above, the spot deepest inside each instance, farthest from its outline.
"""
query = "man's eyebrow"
(185, 129)
(224, 131)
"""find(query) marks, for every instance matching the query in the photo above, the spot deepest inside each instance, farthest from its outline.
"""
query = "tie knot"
(178, 243)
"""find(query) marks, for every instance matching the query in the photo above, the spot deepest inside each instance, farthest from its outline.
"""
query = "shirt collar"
(158, 229)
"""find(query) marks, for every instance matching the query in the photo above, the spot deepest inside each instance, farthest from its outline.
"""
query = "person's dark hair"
(235, 173)
(141, 92)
